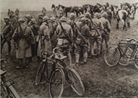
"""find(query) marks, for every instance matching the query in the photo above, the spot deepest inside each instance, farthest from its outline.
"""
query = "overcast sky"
(37, 5)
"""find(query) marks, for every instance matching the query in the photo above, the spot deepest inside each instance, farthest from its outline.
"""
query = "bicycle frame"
(55, 62)
(123, 53)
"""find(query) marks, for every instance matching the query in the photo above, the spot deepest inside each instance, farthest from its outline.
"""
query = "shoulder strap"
(65, 32)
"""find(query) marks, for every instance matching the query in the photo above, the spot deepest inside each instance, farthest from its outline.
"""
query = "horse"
(55, 10)
(65, 9)
(78, 10)
(122, 15)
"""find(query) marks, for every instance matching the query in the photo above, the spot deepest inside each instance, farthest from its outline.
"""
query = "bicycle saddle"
(60, 56)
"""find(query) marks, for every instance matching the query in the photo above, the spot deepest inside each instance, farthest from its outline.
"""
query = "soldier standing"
(23, 36)
(28, 18)
(44, 42)
(53, 25)
(96, 34)
(40, 19)
(7, 34)
(65, 38)
(34, 27)
(106, 31)
(81, 43)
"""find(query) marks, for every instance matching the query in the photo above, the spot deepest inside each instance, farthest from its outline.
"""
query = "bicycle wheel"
(12, 92)
(75, 81)
(56, 86)
(8, 92)
(136, 59)
(112, 56)
(40, 73)
(124, 60)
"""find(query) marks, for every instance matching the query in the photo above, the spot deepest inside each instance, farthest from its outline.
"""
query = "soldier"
(65, 38)
(109, 15)
(23, 36)
(96, 34)
(7, 34)
(40, 19)
(71, 23)
(53, 25)
(81, 43)
(106, 31)
(34, 27)
(28, 19)
(44, 42)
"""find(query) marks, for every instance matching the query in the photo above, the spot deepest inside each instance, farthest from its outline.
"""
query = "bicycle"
(60, 72)
(116, 54)
(7, 90)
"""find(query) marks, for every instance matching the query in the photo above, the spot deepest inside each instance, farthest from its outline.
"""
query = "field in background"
(99, 79)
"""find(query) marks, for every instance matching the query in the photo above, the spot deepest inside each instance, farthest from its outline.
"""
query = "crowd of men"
(73, 35)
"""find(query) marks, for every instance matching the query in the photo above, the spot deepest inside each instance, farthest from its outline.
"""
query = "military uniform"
(96, 35)
(28, 19)
(52, 26)
(23, 37)
(82, 42)
(65, 39)
(44, 42)
(34, 27)
(7, 34)
(106, 31)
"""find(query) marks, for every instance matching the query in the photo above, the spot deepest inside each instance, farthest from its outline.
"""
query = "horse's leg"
(128, 22)
(117, 25)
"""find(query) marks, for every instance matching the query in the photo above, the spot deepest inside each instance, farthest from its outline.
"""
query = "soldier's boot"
(85, 56)
(20, 64)
(92, 52)
(77, 56)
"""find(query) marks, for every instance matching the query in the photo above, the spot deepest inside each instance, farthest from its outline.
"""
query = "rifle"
(65, 33)
(95, 28)
(80, 33)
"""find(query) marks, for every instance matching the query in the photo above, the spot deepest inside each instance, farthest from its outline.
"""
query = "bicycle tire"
(12, 92)
(124, 60)
(136, 59)
(75, 81)
(39, 73)
(112, 60)
(53, 90)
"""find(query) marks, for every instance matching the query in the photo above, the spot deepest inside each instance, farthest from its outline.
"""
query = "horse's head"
(53, 6)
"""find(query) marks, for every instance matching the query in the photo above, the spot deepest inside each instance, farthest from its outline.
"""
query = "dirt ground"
(99, 79)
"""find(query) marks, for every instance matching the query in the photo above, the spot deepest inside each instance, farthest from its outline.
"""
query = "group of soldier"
(73, 35)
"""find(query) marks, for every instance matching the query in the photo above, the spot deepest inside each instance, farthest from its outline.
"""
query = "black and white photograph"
(69, 49)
